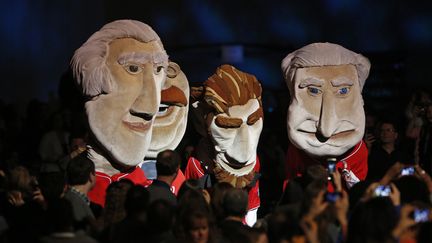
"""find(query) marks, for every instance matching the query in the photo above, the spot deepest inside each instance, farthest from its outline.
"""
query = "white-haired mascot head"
(121, 69)
(325, 115)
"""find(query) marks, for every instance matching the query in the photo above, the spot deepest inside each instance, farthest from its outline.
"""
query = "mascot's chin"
(233, 168)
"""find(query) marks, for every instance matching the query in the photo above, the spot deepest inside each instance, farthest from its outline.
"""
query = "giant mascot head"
(325, 116)
(121, 69)
(170, 123)
(234, 122)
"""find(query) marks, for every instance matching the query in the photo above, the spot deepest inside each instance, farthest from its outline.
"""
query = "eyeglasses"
(387, 130)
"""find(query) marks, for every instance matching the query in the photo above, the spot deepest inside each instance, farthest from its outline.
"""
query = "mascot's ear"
(173, 70)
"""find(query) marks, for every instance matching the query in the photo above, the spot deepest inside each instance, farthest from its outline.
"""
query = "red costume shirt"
(177, 182)
(97, 194)
(195, 171)
(355, 160)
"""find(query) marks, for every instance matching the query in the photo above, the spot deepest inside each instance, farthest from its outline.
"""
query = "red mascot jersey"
(178, 181)
(195, 171)
(97, 194)
(354, 162)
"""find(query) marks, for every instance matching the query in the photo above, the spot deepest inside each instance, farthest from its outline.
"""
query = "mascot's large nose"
(147, 102)
(328, 118)
(241, 148)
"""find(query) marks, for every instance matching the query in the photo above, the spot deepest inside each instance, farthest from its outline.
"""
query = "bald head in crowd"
(167, 163)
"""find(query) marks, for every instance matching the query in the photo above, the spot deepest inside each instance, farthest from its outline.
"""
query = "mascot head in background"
(121, 69)
(234, 120)
(170, 123)
(325, 115)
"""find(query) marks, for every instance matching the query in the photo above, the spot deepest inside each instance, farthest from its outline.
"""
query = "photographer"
(424, 143)
(415, 113)
(385, 152)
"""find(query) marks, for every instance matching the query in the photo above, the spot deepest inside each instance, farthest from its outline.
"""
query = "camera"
(382, 191)
(331, 165)
(332, 196)
(408, 171)
(421, 215)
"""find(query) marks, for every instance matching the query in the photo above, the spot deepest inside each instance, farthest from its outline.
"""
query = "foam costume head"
(121, 69)
(234, 120)
(325, 115)
(171, 120)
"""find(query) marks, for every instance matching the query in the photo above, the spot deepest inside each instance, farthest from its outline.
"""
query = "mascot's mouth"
(318, 136)
(233, 163)
(138, 126)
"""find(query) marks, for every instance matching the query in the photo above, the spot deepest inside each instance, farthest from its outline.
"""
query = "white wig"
(323, 54)
(88, 62)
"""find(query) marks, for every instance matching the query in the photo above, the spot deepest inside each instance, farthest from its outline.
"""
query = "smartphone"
(382, 191)
(408, 171)
(331, 165)
(332, 196)
(421, 215)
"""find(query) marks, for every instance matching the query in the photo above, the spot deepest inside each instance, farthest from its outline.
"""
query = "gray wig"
(88, 62)
(323, 54)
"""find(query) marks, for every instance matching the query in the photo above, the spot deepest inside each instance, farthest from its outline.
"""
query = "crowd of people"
(44, 179)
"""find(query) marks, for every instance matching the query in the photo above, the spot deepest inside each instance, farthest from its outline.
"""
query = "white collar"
(101, 163)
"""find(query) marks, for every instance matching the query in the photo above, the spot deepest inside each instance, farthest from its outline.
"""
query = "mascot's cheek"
(223, 137)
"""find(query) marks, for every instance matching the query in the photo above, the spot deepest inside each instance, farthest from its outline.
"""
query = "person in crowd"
(81, 178)
(54, 144)
(424, 141)
(373, 221)
(23, 206)
(161, 217)
(415, 112)
(195, 223)
(52, 186)
(386, 152)
(61, 220)
(135, 222)
(167, 167)
(194, 185)
(194, 217)
(217, 194)
(235, 205)
(114, 210)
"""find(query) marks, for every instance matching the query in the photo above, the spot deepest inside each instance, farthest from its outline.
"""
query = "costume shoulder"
(193, 169)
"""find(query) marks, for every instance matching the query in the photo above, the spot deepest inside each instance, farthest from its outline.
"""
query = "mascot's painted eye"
(163, 109)
(343, 91)
(158, 69)
(314, 91)
(133, 69)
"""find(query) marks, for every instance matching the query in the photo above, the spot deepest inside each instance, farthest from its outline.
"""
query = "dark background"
(38, 38)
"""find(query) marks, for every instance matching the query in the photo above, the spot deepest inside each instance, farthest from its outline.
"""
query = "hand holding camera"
(407, 171)
(421, 215)
(380, 190)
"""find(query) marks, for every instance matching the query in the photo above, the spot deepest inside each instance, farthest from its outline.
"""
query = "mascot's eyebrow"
(234, 122)
(342, 81)
(311, 81)
(143, 57)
